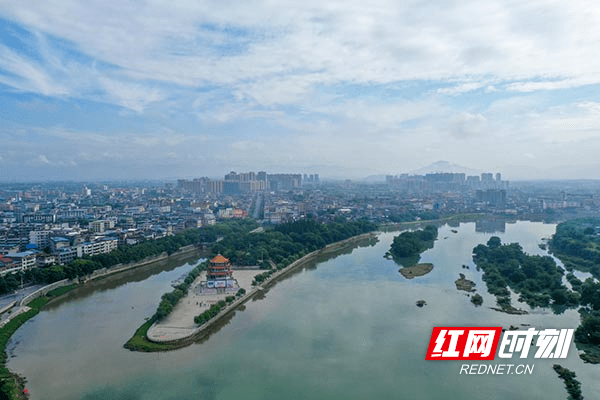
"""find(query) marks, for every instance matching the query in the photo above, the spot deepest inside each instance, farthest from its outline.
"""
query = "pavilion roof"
(219, 259)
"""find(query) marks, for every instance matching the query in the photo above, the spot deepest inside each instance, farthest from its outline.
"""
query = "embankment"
(137, 343)
(11, 384)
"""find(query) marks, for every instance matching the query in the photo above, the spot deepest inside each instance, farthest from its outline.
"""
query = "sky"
(134, 89)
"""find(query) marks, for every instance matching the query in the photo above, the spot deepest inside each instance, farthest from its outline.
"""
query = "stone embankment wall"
(202, 330)
(101, 273)
(42, 291)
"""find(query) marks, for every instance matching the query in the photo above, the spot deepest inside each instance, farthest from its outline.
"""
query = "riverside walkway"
(179, 324)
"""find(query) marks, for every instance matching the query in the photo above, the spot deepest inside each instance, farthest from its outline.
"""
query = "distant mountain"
(445, 166)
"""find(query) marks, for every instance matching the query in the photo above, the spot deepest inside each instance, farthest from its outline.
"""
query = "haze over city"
(130, 90)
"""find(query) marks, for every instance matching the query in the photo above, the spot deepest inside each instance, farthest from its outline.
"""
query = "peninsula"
(187, 313)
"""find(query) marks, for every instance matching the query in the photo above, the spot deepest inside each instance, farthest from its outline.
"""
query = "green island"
(477, 299)
(537, 279)
(413, 243)
(272, 249)
(406, 250)
(572, 385)
(577, 245)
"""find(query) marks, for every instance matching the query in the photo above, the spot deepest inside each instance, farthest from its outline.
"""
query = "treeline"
(409, 244)
(216, 308)
(577, 245)
(537, 279)
(588, 332)
(124, 254)
(169, 300)
(572, 385)
(282, 245)
(287, 242)
(410, 216)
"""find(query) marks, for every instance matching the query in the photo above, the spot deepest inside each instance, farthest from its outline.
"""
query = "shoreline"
(98, 274)
(202, 331)
(39, 300)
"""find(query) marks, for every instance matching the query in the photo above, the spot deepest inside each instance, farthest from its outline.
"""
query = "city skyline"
(158, 90)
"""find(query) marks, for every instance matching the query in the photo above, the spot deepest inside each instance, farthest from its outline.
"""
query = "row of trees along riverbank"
(123, 255)
(276, 248)
(280, 245)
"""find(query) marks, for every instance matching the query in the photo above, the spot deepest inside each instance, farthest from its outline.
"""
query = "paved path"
(180, 323)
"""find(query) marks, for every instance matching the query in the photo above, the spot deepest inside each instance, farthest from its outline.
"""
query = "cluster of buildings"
(54, 223)
(447, 181)
(47, 225)
(246, 182)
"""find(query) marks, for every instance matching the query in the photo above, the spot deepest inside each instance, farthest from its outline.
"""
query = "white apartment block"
(40, 238)
(99, 247)
(24, 260)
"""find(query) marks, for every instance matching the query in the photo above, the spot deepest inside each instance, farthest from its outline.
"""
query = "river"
(347, 328)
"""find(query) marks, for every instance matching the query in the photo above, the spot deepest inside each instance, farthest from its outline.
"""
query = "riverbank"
(12, 385)
(327, 310)
(166, 336)
(398, 226)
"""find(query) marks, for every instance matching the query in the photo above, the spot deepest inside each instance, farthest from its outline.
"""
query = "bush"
(477, 299)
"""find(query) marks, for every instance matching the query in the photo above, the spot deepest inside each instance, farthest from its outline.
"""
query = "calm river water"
(347, 328)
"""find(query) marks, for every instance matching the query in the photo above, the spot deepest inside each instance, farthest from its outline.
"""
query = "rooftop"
(219, 259)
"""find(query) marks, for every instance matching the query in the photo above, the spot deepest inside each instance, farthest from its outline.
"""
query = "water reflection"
(490, 225)
(133, 275)
(345, 329)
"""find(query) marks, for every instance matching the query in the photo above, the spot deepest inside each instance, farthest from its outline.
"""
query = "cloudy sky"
(154, 89)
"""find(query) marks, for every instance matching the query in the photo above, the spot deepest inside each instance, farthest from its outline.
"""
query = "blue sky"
(162, 89)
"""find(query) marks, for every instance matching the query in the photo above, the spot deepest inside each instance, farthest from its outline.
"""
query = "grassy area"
(139, 341)
(12, 385)
(61, 290)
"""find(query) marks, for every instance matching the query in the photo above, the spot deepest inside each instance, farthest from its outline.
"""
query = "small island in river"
(416, 270)
(463, 283)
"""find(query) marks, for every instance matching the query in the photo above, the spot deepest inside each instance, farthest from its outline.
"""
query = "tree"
(494, 242)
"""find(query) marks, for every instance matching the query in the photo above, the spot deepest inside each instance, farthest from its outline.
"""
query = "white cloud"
(133, 96)
(329, 83)
(465, 125)
(463, 88)
(26, 75)
(342, 41)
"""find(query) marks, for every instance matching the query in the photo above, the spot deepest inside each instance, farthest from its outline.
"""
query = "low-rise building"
(23, 260)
